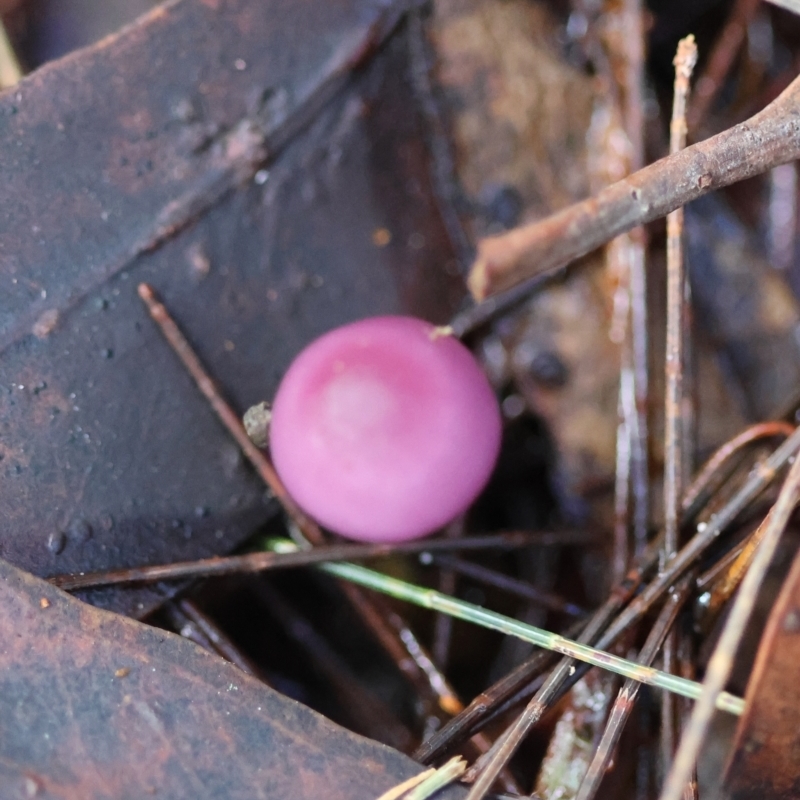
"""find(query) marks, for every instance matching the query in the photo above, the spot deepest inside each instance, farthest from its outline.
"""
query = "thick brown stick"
(770, 138)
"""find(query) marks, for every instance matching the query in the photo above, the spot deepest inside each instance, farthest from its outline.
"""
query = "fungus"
(383, 430)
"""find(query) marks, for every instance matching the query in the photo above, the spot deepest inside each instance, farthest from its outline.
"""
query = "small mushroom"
(383, 430)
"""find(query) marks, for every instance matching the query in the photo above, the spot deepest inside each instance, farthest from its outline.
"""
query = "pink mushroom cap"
(383, 430)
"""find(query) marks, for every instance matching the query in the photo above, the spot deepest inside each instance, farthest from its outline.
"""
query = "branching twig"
(770, 138)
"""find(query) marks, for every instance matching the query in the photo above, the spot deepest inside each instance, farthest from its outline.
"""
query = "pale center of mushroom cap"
(358, 407)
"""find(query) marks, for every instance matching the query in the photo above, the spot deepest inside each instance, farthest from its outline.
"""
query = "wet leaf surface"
(221, 152)
(95, 705)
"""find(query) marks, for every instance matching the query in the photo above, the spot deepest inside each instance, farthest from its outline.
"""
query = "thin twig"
(435, 601)
(626, 404)
(566, 672)
(633, 111)
(708, 580)
(729, 581)
(640, 477)
(224, 412)
(485, 770)
(436, 696)
(626, 698)
(694, 495)
(721, 661)
(182, 625)
(759, 479)
(474, 317)
(443, 167)
(416, 664)
(396, 792)
(371, 714)
(674, 434)
(615, 43)
(674, 471)
(769, 138)
(522, 696)
(687, 659)
(507, 689)
(259, 562)
(188, 620)
(508, 584)
(508, 686)
(484, 705)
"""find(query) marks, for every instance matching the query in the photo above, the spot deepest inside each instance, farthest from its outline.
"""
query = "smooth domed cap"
(383, 430)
